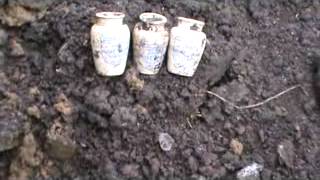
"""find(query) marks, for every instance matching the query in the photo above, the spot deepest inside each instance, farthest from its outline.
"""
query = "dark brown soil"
(255, 49)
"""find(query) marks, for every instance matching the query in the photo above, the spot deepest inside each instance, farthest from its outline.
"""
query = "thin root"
(257, 104)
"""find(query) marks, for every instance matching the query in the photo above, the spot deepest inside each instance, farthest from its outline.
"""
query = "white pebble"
(166, 141)
(250, 172)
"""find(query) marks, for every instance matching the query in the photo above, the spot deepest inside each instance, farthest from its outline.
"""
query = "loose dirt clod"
(236, 146)
(15, 48)
(34, 111)
(3, 37)
(63, 105)
(59, 144)
(29, 156)
(10, 132)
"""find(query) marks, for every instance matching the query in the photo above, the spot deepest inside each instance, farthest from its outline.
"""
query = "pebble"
(34, 91)
(236, 146)
(193, 163)
(2, 58)
(266, 174)
(155, 165)
(286, 153)
(262, 135)
(34, 111)
(208, 158)
(227, 126)
(16, 49)
(166, 141)
(213, 172)
(3, 37)
(30, 151)
(241, 130)
(251, 172)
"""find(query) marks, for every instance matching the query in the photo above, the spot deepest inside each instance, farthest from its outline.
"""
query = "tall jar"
(150, 41)
(187, 43)
(110, 40)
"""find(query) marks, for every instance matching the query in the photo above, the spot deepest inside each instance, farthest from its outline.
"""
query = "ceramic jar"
(110, 40)
(187, 43)
(150, 41)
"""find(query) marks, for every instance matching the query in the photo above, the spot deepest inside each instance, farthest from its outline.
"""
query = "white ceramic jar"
(110, 40)
(150, 41)
(187, 43)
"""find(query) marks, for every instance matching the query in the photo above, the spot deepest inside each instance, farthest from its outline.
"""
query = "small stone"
(219, 149)
(207, 170)
(34, 111)
(241, 130)
(16, 49)
(208, 158)
(251, 172)
(155, 166)
(213, 172)
(266, 174)
(34, 91)
(130, 170)
(227, 126)
(166, 141)
(30, 152)
(193, 164)
(281, 111)
(236, 146)
(262, 135)
(13, 99)
(59, 143)
(2, 58)
(63, 105)
(286, 153)
(3, 37)
(10, 133)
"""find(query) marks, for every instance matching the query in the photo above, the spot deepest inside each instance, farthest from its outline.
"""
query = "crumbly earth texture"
(70, 123)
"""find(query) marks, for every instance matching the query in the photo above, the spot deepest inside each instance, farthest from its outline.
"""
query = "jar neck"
(111, 21)
(153, 21)
(190, 24)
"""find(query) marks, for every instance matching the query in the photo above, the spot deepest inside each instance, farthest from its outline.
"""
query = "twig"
(189, 123)
(253, 105)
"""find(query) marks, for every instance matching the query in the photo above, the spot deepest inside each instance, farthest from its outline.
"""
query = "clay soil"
(255, 49)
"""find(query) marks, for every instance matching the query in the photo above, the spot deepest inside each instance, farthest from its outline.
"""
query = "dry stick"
(253, 105)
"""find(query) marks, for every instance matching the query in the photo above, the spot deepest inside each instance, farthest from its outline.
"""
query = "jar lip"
(191, 21)
(152, 18)
(110, 15)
